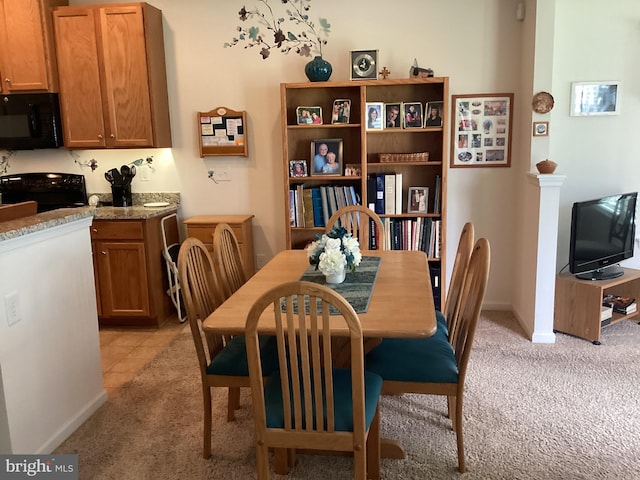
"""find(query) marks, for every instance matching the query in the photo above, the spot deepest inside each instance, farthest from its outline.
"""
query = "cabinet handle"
(8, 80)
(95, 230)
(112, 136)
(103, 252)
(100, 136)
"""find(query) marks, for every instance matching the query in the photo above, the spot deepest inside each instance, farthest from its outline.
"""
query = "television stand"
(606, 273)
(578, 302)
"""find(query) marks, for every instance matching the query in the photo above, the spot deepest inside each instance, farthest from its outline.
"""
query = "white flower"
(332, 244)
(331, 255)
(332, 261)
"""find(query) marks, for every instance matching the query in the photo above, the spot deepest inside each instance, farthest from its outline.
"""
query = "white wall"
(484, 50)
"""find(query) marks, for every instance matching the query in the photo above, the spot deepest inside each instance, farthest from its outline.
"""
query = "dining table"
(400, 304)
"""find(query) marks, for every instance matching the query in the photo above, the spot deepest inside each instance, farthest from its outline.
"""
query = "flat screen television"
(602, 234)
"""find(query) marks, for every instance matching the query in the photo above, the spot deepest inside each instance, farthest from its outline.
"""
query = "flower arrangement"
(310, 38)
(334, 251)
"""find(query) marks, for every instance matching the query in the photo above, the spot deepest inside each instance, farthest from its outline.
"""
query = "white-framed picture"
(595, 98)
(374, 116)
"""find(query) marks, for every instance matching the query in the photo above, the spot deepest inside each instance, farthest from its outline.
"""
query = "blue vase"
(318, 70)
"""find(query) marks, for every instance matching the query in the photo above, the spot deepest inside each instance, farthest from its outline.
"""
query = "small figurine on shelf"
(418, 72)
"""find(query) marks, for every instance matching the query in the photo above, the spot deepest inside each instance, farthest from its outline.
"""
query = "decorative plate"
(542, 102)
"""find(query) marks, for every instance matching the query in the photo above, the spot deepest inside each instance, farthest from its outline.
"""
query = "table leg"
(390, 448)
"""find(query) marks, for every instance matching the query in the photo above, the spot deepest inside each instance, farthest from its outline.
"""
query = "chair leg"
(233, 403)
(206, 449)
(460, 440)
(262, 461)
(451, 410)
(281, 461)
(373, 448)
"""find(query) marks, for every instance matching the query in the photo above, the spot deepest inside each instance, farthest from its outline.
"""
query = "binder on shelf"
(325, 204)
(318, 213)
(379, 206)
(436, 196)
(398, 201)
(389, 194)
(307, 204)
(371, 192)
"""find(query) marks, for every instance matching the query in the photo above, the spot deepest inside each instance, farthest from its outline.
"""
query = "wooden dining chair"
(358, 220)
(435, 366)
(309, 404)
(222, 363)
(447, 318)
(228, 259)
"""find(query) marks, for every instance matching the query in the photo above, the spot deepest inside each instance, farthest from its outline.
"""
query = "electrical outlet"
(222, 175)
(144, 173)
(12, 305)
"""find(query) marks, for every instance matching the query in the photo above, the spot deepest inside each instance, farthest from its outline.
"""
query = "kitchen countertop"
(42, 221)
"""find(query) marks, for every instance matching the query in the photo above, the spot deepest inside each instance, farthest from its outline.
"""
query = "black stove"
(50, 190)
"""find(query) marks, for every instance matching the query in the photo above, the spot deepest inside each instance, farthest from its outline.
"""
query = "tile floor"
(126, 351)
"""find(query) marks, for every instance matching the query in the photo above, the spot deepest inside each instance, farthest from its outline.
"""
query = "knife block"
(121, 195)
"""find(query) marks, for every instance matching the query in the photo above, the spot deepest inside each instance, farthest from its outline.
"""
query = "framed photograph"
(352, 170)
(481, 130)
(298, 168)
(418, 199)
(341, 111)
(326, 156)
(392, 115)
(309, 115)
(540, 129)
(433, 115)
(594, 98)
(412, 114)
(364, 64)
(374, 115)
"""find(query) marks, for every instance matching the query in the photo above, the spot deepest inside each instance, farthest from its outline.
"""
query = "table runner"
(357, 286)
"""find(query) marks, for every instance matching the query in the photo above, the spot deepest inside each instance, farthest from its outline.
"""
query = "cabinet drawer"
(205, 233)
(117, 230)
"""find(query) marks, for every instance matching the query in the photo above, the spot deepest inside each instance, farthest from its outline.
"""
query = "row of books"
(385, 195)
(312, 207)
(619, 304)
(421, 233)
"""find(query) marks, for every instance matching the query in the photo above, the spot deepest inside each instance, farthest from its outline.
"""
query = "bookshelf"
(578, 303)
(387, 151)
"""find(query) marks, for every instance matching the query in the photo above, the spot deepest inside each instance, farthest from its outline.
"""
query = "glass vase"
(336, 278)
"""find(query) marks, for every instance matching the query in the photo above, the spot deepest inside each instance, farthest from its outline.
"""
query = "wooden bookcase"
(578, 302)
(362, 147)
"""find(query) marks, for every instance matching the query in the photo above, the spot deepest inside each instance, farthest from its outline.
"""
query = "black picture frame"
(417, 199)
(333, 146)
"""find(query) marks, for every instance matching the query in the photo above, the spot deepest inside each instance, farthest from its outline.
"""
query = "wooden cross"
(384, 72)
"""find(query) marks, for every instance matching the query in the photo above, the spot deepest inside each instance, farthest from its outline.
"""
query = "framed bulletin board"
(222, 131)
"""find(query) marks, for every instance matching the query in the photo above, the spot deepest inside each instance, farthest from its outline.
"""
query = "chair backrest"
(228, 259)
(452, 303)
(305, 358)
(201, 295)
(473, 290)
(356, 220)
(18, 210)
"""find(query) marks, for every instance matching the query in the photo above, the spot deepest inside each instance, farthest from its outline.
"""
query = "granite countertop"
(42, 221)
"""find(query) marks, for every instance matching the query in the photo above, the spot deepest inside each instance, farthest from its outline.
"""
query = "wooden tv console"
(578, 302)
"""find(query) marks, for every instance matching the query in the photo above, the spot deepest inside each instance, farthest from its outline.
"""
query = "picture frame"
(393, 115)
(433, 114)
(326, 152)
(540, 129)
(374, 120)
(417, 199)
(309, 115)
(341, 111)
(481, 130)
(412, 115)
(364, 64)
(298, 168)
(595, 98)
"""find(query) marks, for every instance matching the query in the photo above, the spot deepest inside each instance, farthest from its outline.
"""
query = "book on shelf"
(398, 188)
(318, 212)
(436, 196)
(307, 205)
(620, 304)
(325, 204)
(379, 206)
(389, 194)
(606, 313)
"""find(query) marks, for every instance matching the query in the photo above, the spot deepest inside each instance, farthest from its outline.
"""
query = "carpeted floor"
(570, 411)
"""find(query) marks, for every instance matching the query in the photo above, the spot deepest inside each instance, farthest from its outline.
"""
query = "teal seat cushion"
(441, 323)
(428, 360)
(232, 360)
(343, 406)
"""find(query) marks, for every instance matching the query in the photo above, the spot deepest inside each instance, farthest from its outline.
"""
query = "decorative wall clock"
(364, 64)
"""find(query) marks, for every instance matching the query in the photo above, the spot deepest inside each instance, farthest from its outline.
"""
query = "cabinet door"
(123, 279)
(24, 61)
(79, 78)
(126, 80)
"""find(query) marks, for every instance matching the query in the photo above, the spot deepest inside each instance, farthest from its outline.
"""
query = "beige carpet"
(565, 411)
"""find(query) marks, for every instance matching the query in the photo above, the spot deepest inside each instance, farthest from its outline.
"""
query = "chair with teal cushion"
(223, 362)
(307, 403)
(437, 365)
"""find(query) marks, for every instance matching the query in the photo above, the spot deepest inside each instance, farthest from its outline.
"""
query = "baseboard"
(72, 425)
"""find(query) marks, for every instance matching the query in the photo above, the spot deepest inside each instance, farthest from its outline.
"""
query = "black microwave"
(29, 121)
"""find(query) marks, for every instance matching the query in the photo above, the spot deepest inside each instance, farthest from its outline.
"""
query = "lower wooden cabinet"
(129, 272)
(203, 226)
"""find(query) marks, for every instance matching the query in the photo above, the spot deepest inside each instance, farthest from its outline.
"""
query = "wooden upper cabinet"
(27, 58)
(113, 87)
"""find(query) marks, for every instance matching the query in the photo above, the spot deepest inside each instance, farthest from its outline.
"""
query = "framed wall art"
(222, 133)
(594, 98)
(540, 129)
(481, 133)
